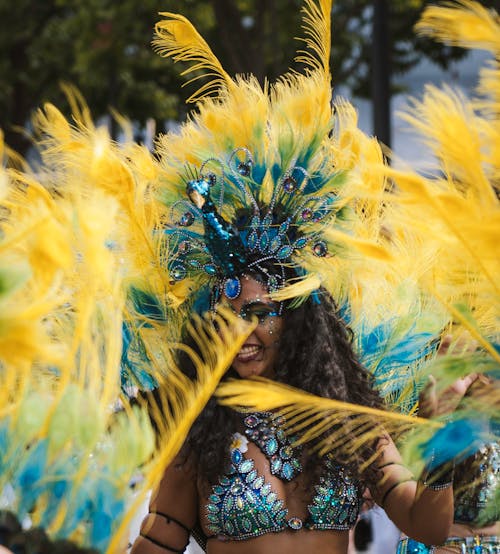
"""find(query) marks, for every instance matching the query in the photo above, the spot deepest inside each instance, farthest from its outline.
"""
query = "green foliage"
(103, 48)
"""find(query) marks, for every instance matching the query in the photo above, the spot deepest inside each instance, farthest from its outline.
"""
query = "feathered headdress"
(454, 216)
(263, 178)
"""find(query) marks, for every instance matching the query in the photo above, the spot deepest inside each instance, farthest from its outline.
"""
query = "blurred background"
(103, 48)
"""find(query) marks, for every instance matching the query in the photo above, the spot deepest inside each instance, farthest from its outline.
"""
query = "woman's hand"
(437, 403)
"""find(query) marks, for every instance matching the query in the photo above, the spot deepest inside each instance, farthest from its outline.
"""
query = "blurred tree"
(103, 47)
(100, 46)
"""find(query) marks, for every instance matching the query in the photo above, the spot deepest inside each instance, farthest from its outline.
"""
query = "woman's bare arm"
(173, 512)
(422, 513)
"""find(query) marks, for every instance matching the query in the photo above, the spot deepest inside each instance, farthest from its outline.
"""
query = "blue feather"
(30, 473)
(457, 440)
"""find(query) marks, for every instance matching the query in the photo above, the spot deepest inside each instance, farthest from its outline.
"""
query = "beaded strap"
(440, 477)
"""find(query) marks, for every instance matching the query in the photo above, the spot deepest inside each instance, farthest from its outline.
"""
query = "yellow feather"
(364, 247)
(464, 23)
(342, 426)
(304, 288)
(177, 38)
(317, 27)
(185, 398)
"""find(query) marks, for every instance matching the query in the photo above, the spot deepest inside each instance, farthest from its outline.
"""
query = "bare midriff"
(305, 540)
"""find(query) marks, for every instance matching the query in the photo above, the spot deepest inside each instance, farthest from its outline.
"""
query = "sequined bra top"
(476, 487)
(242, 505)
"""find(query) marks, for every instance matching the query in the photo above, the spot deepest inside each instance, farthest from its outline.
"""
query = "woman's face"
(258, 355)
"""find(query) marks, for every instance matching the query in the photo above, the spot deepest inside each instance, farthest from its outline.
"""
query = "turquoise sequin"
(242, 505)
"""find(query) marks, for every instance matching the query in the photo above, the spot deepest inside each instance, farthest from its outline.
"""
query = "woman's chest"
(265, 490)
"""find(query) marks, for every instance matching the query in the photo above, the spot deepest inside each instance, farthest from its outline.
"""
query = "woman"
(283, 212)
(309, 504)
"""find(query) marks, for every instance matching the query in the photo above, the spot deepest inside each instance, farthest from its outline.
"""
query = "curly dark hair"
(315, 354)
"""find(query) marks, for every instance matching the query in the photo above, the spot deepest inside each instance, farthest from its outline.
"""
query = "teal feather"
(28, 480)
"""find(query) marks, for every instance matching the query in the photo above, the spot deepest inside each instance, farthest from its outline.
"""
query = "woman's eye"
(261, 315)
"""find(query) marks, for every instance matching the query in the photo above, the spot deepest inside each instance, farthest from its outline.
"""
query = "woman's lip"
(249, 353)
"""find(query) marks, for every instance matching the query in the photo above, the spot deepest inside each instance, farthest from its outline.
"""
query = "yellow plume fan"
(463, 23)
(338, 426)
(182, 399)
(177, 38)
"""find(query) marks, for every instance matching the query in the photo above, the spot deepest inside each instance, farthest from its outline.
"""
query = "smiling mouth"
(248, 353)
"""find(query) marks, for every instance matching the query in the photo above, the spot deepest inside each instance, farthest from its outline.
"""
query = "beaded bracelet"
(438, 478)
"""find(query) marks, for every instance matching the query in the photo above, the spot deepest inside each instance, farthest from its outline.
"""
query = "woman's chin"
(251, 369)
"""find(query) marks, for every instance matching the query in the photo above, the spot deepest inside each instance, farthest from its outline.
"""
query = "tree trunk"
(381, 72)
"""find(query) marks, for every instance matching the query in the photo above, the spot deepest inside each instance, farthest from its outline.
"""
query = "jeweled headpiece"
(251, 179)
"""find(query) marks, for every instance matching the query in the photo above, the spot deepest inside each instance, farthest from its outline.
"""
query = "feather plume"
(317, 27)
(182, 399)
(464, 23)
(177, 38)
(341, 427)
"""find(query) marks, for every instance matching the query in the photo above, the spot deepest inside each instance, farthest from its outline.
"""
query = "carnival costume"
(262, 179)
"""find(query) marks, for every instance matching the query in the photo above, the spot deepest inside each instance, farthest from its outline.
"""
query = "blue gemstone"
(178, 272)
(210, 269)
(254, 224)
(244, 168)
(300, 243)
(251, 476)
(284, 227)
(236, 456)
(252, 240)
(232, 288)
(284, 252)
(275, 244)
(271, 446)
(263, 518)
(275, 466)
(264, 241)
(246, 466)
(287, 470)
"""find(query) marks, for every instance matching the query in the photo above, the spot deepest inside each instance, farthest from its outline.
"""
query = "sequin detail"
(243, 506)
(337, 501)
(475, 503)
(264, 430)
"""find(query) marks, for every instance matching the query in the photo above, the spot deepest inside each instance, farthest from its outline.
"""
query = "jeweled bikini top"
(242, 505)
(476, 487)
